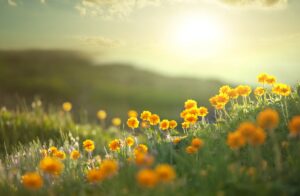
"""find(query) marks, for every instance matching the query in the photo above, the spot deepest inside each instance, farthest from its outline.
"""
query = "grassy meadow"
(251, 147)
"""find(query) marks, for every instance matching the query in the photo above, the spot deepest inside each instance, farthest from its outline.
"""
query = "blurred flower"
(262, 78)
(294, 126)
(144, 159)
(270, 80)
(176, 140)
(132, 113)
(133, 122)
(282, 89)
(116, 122)
(52, 150)
(190, 118)
(75, 154)
(259, 91)
(202, 111)
(129, 141)
(89, 145)
(141, 148)
(191, 150)
(115, 145)
(193, 111)
(101, 114)
(233, 94)
(190, 103)
(145, 124)
(154, 119)
(67, 106)
(94, 175)
(268, 119)
(197, 143)
(164, 125)
(44, 152)
(185, 125)
(109, 167)
(172, 124)
(147, 178)
(247, 129)
(51, 166)
(258, 137)
(224, 89)
(145, 115)
(184, 113)
(60, 154)
(165, 173)
(32, 180)
(244, 90)
(251, 171)
(235, 140)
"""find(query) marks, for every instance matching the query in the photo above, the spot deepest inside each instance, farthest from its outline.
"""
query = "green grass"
(213, 170)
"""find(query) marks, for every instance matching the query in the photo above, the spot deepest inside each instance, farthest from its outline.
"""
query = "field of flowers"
(250, 147)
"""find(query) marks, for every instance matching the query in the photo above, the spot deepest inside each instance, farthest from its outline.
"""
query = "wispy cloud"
(260, 3)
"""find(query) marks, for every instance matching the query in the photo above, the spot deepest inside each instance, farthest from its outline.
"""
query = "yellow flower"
(258, 137)
(172, 124)
(213, 100)
(193, 111)
(145, 115)
(202, 111)
(89, 145)
(247, 129)
(144, 159)
(115, 145)
(197, 143)
(109, 167)
(67, 106)
(32, 180)
(164, 125)
(233, 94)
(224, 89)
(294, 126)
(282, 89)
(147, 178)
(185, 125)
(176, 140)
(165, 173)
(271, 80)
(116, 122)
(94, 175)
(51, 166)
(101, 114)
(190, 118)
(133, 122)
(75, 154)
(191, 150)
(44, 152)
(141, 148)
(145, 124)
(235, 140)
(259, 91)
(154, 119)
(60, 154)
(184, 113)
(129, 141)
(190, 104)
(243, 90)
(132, 113)
(268, 119)
(262, 78)
(52, 150)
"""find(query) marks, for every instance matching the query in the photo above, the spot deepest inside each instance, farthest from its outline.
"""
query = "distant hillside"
(56, 76)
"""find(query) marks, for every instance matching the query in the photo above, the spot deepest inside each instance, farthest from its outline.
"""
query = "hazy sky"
(227, 39)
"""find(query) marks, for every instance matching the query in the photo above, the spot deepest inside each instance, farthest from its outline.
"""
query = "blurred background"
(142, 54)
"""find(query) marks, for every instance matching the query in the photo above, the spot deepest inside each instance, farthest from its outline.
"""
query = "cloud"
(12, 3)
(261, 3)
(100, 42)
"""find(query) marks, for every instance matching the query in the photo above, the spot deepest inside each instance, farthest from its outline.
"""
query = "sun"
(198, 35)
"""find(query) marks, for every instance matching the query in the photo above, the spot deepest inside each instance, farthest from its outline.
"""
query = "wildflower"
(67, 106)
(51, 166)
(197, 143)
(32, 180)
(141, 148)
(259, 91)
(147, 178)
(172, 124)
(247, 129)
(233, 94)
(202, 111)
(44, 152)
(101, 114)
(89, 145)
(244, 90)
(116, 122)
(185, 125)
(132, 113)
(144, 159)
(109, 167)
(270, 80)
(222, 99)
(235, 140)
(60, 154)
(75, 154)
(165, 173)
(282, 89)
(268, 119)
(258, 137)
(193, 111)
(191, 150)
(190, 118)
(52, 150)
(164, 125)
(224, 89)
(115, 145)
(294, 126)
(262, 78)
(133, 122)
(94, 175)
(184, 113)
(154, 119)
(145, 124)
(213, 100)
(176, 140)
(145, 115)
(129, 141)
(190, 103)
